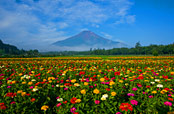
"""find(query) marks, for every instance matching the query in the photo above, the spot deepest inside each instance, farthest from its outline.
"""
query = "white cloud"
(30, 24)
(108, 36)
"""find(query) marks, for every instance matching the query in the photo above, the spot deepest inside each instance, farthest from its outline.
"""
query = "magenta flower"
(97, 101)
(134, 102)
(167, 103)
(13, 102)
(8, 86)
(150, 96)
(65, 89)
(52, 86)
(59, 104)
(130, 94)
(73, 109)
(134, 89)
(118, 113)
(31, 87)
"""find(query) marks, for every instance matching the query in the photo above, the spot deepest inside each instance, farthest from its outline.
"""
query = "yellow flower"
(23, 82)
(103, 98)
(102, 79)
(30, 83)
(113, 93)
(85, 83)
(154, 92)
(83, 91)
(172, 73)
(96, 91)
(19, 91)
(23, 93)
(50, 81)
(45, 107)
(13, 82)
(78, 101)
(111, 83)
(121, 81)
(73, 80)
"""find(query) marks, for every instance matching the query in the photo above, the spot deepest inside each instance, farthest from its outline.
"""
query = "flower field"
(87, 85)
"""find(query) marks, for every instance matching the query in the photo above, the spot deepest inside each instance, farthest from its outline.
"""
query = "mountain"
(8, 49)
(86, 40)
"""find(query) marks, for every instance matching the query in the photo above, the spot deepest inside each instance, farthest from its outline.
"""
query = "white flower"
(35, 89)
(105, 95)
(27, 77)
(152, 82)
(57, 85)
(157, 80)
(160, 85)
(60, 99)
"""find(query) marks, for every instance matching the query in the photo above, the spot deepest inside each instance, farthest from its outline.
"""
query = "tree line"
(7, 50)
(137, 50)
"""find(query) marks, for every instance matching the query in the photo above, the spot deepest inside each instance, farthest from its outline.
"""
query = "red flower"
(107, 89)
(73, 100)
(2, 106)
(141, 77)
(126, 107)
(10, 94)
(32, 99)
(170, 99)
(117, 73)
(165, 77)
(75, 113)
(65, 102)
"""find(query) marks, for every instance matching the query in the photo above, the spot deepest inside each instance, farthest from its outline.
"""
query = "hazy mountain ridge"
(89, 40)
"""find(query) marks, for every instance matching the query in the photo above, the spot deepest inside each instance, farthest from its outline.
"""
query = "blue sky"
(35, 24)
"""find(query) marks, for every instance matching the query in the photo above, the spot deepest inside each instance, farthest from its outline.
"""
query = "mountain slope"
(88, 39)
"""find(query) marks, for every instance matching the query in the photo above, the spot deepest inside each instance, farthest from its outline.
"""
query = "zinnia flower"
(130, 94)
(134, 89)
(73, 100)
(113, 93)
(45, 107)
(167, 103)
(134, 102)
(126, 107)
(83, 91)
(73, 109)
(97, 101)
(59, 104)
(96, 91)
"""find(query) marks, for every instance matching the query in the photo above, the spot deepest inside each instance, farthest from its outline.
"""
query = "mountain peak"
(90, 40)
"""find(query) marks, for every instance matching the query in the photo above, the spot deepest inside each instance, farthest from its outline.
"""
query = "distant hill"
(8, 49)
(87, 40)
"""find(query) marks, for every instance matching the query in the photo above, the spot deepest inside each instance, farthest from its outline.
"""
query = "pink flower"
(52, 85)
(130, 94)
(57, 97)
(134, 89)
(134, 102)
(65, 89)
(95, 84)
(97, 101)
(118, 113)
(59, 104)
(31, 87)
(73, 109)
(13, 102)
(8, 86)
(150, 96)
(167, 103)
